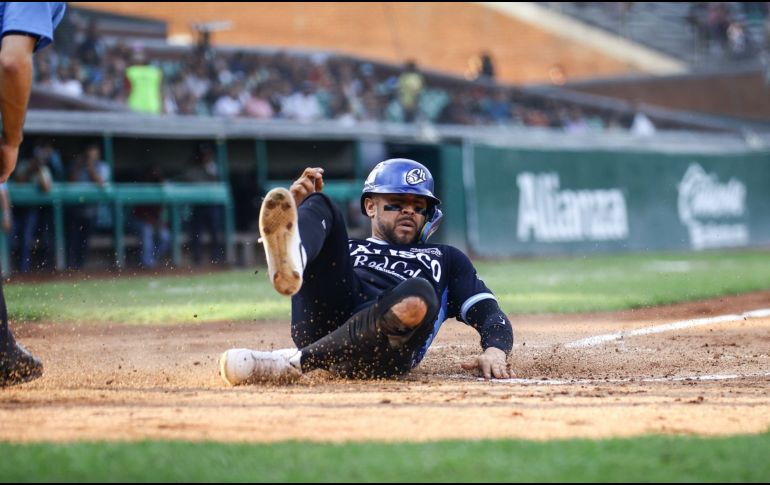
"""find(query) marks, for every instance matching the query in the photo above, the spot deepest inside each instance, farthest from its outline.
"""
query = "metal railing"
(119, 196)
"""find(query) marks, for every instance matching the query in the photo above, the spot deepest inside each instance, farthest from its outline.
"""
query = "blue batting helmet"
(404, 176)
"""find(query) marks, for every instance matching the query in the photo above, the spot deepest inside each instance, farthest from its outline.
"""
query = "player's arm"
(311, 180)
(496, 339)
(473, 303)
(15, 87)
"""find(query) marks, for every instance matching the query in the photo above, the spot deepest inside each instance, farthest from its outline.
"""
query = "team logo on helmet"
(416, 176)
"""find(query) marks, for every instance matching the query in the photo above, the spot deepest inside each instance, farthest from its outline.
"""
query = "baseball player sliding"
(367, 308)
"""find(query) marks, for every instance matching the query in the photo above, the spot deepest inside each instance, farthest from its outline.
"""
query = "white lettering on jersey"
(360, 248)
(435, 267)
(364, 256)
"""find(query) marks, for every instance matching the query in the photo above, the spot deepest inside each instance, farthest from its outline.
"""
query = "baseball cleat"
(18, 365)
(280, 237)
(245, 366)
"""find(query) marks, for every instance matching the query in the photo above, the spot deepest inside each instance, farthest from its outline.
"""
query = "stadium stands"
(294, 85)
(703, 34)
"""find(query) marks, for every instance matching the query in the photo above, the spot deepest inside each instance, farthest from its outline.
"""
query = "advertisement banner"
(531, 202)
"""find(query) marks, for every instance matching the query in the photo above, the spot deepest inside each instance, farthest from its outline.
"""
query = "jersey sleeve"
(38, 19)
(465, 287)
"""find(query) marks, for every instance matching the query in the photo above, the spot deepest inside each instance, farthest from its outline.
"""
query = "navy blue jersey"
(381, 266)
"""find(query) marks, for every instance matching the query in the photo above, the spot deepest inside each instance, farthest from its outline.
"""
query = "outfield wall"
(536, 201)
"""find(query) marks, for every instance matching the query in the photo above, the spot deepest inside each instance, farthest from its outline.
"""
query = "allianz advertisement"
(575, 202)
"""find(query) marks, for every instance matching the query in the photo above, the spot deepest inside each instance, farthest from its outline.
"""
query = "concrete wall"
(442, 36)
(740, 94)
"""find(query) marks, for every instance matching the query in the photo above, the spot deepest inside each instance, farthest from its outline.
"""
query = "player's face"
(397, 218)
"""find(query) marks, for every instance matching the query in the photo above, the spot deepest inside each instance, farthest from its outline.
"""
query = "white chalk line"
(600, 339)
(566, 382)
(610, 337)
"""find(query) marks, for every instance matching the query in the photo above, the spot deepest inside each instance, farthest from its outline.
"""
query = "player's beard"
(389, 233)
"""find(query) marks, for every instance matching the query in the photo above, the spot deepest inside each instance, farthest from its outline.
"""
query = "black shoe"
(18, 365)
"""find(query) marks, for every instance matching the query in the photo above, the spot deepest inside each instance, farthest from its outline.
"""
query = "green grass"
(616, 282)
(647, 459)
(230, 295)
(598, 283)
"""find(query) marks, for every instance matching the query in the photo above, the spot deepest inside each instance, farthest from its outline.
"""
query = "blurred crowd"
(294, 86)
(722, 30)
(719, 26)
(309, 87)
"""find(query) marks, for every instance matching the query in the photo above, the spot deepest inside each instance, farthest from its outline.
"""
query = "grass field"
(648, 459)
(556, 285)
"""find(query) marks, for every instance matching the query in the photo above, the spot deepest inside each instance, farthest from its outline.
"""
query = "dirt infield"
(134, 382)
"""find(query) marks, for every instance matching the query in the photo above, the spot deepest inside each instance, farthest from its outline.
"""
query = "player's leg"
(306, 247)
(280, 236)
(382, 340)
(17, 365)
(307, 256)
(331, 291)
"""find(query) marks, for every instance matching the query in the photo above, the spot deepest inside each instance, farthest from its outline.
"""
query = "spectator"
(197, 80)
(34, 171)
(717, 22)
(203, 49)
(342, 111)
(576, 123)
(257, 104)
(369, 109)
(482, 68)
(222, 73)
(43, 73)
(87, 168)
(738, 41)
(410, 87)
(498, 108)
(145, 93)
(151, 227)
(303, 105)
(66, 81)
(91, 48)
(52, 158)
(229, 105)
(642, 125)
(457, 111)
(208, 218)
(487, 67)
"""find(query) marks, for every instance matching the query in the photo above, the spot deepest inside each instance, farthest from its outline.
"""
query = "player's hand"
(9, 154)
(490, 364)
(311, 180)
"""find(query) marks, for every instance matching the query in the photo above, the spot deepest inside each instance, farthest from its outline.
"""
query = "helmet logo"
(416, 176)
